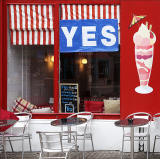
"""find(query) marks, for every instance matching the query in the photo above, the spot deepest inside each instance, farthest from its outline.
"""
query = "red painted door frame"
(3, 56)
(56, 56)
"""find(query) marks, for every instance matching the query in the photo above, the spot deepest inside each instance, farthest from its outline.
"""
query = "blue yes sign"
(94, 35)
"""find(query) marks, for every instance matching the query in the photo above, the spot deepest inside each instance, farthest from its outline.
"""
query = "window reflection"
(98, 79)
(30, 75)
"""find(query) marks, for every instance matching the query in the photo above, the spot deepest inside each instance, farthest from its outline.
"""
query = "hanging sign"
(93, 35)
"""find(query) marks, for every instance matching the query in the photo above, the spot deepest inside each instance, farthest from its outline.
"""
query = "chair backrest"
(86, 127)
(54, 142)
(142, 115)
(86, 115)
(22, 124)
(156, 119)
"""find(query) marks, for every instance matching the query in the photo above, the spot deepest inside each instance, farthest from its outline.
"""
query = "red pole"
(56, 57)
(3, 55)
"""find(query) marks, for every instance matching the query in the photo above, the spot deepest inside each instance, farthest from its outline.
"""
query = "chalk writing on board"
(69, 97)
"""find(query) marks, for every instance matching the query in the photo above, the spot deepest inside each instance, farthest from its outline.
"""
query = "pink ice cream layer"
(146, 47)
(143, 57)
(148, 53)
(143, 74)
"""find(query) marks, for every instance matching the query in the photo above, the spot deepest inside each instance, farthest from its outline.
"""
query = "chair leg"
(10, 143)
(66, 155)
(154, 143)
(84, 148)
(22, 147)
(92, 142)
(122, 147)
(75, 140)
(148, 146)
(40, 155)
(30, 144)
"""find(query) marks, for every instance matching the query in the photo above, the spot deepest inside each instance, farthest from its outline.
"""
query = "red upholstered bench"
(94, 106)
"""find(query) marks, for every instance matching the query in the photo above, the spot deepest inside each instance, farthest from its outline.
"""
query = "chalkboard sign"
(69, 97)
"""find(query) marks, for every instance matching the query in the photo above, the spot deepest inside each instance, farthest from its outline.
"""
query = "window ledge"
(64, 115)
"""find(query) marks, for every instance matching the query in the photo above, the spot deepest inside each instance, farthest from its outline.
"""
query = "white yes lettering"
(69, 35)
(110, 36)
(86, 36)
(89, 35)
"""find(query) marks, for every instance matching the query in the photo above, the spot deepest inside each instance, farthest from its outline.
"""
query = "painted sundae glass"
(144, 41)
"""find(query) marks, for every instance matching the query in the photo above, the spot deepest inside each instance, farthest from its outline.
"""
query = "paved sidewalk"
(89, 155)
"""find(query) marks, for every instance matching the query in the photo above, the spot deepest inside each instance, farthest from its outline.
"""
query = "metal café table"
(3, 124)
(68, 122)
(136, 122)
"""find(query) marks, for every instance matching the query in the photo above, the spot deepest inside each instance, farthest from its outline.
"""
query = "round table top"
(68, 121)
(134, 123)
(7, 122)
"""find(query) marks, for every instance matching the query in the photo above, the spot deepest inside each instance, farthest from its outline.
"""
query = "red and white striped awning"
(31, 24)
(70, 12)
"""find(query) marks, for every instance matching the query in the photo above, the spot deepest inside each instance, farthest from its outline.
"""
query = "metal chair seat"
(53, 143)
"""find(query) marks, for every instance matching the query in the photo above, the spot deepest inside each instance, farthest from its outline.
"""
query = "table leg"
(132, 142)
(69, 135)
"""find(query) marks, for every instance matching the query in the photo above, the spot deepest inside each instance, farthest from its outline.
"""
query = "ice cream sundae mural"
(144, 40)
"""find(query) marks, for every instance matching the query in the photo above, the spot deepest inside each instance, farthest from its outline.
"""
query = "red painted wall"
(130, 100)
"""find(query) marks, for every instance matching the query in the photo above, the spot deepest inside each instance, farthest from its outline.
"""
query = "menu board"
(69, 97)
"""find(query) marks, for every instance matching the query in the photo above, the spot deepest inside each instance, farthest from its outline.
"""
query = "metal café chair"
(7, 120)
(84, 130)
(53, 145)
(141, 133)
(156, 119)
(19, 131)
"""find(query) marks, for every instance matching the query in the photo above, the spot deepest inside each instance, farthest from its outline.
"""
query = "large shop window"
(89, 81)
(96, 74)
(30, 58)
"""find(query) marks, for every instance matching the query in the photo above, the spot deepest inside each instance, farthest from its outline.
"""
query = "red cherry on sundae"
(151, 35)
